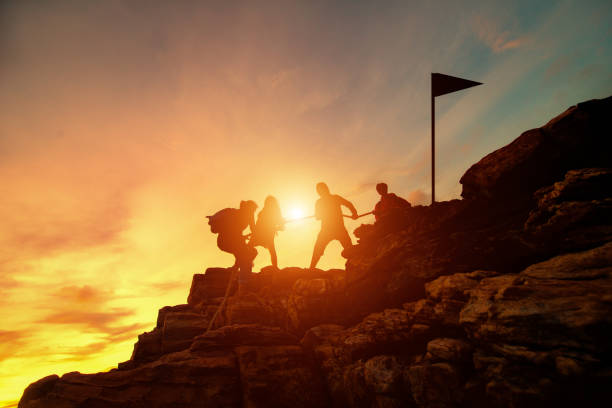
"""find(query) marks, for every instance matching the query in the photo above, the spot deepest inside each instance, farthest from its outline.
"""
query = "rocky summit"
(501, 299)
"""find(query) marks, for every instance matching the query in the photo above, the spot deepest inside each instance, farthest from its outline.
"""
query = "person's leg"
(345, 239)
(227, 244)
(319, 249)
(245, 261)
(273, 257)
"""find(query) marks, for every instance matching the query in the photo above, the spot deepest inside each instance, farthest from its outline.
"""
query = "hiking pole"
(222, 305)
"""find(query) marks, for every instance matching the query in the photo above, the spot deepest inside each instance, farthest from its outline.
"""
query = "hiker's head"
(271, 202)
(248, 205)
(322, 189)
(382, 188)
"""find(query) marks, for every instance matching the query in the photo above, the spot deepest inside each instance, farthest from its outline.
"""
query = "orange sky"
(122, 126)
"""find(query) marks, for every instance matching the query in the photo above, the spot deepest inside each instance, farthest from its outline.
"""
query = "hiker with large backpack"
(269, 222)
(230, 223)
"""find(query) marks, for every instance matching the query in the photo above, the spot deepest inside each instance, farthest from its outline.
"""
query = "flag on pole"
(443, 84)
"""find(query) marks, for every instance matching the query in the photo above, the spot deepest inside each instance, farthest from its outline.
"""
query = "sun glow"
(295, 213)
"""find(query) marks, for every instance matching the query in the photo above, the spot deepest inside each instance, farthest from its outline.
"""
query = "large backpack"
(222, 220)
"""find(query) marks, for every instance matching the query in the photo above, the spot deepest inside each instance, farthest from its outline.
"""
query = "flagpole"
(433, 145)
(441, 85)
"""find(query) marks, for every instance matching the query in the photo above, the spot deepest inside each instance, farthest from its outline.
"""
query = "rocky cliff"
(501, 299)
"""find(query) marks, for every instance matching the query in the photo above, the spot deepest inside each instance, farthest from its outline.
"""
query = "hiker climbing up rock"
(389, 203)
(328, 209)
(269, 222)
(230, 223)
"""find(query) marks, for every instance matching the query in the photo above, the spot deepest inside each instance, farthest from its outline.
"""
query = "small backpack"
(221, 220)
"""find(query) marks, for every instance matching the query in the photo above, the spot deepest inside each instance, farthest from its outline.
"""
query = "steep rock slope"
(501, 299)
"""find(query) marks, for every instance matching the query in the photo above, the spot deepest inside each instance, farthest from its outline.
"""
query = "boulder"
(179, 330)
(383, 374)
(164, 311)
(39, 389)
(436, 385)
(148, 347)
(248, 309)
(280, 376)
(575, 213)
(315, 301)
(452, 350)
(456, 286)
(390, 330)
(585, 265)
(563, 312)
(211, 284)
(323, 334)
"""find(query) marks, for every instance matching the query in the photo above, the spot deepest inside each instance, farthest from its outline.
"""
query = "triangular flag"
(443, 84)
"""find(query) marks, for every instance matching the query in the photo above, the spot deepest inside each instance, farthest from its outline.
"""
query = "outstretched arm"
(349, 205)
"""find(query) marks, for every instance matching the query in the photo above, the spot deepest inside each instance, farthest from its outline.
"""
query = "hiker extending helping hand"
(328, 209)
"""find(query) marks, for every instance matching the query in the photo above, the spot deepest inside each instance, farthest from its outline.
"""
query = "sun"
(296, 213)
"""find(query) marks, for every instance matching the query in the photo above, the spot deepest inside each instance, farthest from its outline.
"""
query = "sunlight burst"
(296, 213)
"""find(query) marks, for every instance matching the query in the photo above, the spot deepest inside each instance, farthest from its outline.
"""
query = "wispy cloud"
(168, 286)
(34, 231)
(92, 321)
(11, 340)
(7, 282)
(82, 294)
(112, 336)
(88, 310)
(488, 30)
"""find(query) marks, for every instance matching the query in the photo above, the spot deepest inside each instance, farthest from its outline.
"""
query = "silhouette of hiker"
(328, 209)
(388, 203)
(229, 223)
(269, 221)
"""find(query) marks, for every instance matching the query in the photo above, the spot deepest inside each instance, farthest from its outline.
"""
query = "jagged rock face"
(545, 329)
(567, 299)
(461, 304)
(510, 340)
(578, 138)
(575, 212)
(230, 367)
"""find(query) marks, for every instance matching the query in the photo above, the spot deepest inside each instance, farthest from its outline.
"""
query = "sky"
(124, 123)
